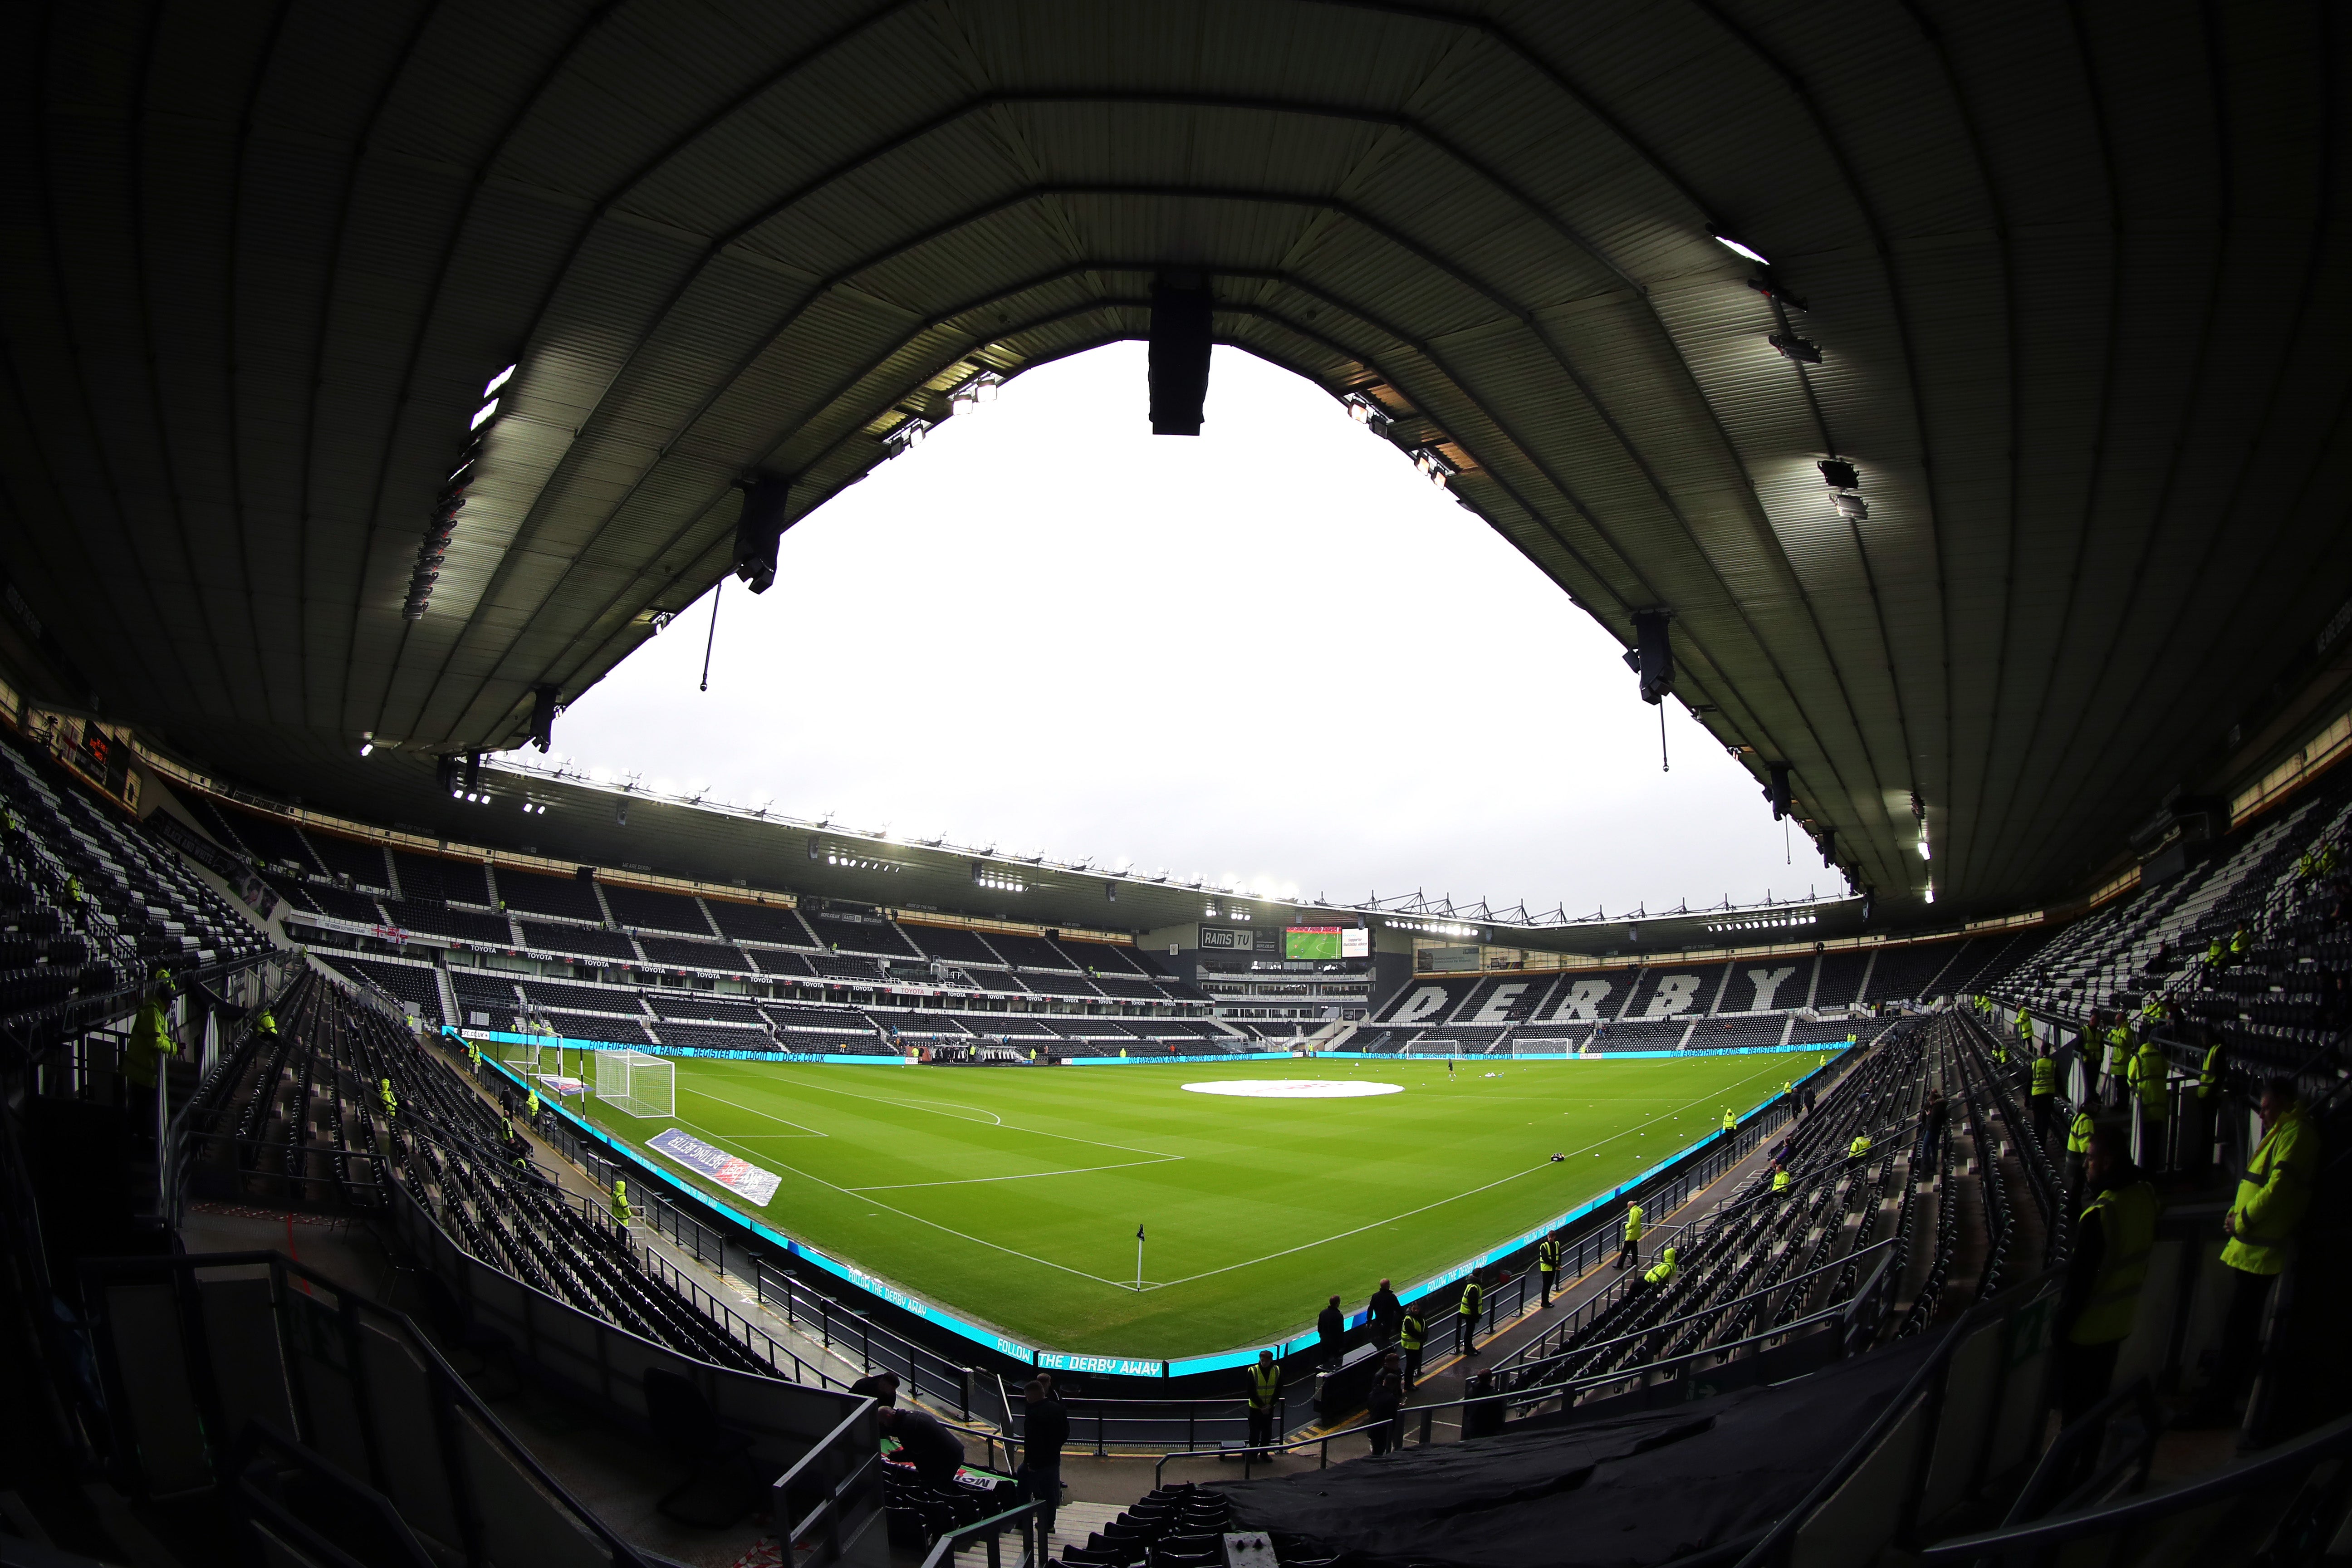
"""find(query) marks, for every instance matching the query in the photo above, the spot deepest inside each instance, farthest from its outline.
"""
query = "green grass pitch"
(1012, 1196)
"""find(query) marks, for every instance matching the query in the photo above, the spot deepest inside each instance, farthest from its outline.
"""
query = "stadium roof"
(2075, 274)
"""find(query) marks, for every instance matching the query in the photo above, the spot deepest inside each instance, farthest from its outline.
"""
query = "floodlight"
(365, 747)
(1737, 249)
(483, 413)
(1366, 410)
(1802, 349)
(1839, 474)
(498, 380)
(1852, 508)
(981, 388)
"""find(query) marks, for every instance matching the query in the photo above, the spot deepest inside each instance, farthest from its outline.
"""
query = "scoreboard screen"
(1326, 941)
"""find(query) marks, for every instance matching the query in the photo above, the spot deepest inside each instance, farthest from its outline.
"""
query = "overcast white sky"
(1274, 652)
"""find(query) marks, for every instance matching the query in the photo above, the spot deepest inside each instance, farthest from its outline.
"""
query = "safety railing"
(599, 1360)
(863, 1343)
(1846, 1328)
(2307, 1518)
(989, 1532)
(1126, 1423)
(832, 1493)
(782, 1359)
(195, 1353)
(1253, 1452)
(34, 1033)
(1527, 1365)
(1970, 1414)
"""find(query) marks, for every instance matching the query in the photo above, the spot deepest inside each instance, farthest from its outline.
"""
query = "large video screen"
(1326, 941)
(1310, 941)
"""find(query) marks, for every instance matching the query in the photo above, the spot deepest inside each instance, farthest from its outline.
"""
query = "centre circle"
(1293, 1088)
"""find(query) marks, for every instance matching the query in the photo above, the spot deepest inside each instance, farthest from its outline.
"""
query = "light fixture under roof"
(981, 388)
(482, 414)
(1366, 410)
(905, 439)
(1749, 251)
(498, 380)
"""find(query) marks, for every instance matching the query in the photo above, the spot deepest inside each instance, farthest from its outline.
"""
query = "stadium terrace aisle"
(1014, 1196)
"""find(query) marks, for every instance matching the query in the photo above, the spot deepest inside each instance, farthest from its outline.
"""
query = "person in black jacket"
(1044, 1428)
(1331, 1326)
(935, 1452)
(1382, 1404)
(1386, 1313)
(882, 1387)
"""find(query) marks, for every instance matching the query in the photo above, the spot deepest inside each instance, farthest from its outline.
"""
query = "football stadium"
(1881, 466)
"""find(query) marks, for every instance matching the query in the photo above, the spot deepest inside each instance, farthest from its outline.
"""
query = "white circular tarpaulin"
(1294, 1087)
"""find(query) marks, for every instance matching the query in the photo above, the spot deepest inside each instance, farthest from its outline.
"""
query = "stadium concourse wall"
(1672, 1167)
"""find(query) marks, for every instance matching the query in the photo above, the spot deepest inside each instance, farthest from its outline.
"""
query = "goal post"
(637, 1083)
(523, 1054)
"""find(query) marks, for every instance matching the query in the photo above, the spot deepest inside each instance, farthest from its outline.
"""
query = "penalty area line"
(1018, 1176)
(1441, 1203)
(903, 1213)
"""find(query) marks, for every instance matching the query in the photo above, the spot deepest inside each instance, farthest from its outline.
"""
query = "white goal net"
(636, 1084)
(524, 1055)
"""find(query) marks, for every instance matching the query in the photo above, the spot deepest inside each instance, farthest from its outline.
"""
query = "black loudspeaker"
(542, 717)
(758, 528)
(1777, 792)
(1180, 358)
(1652, 657)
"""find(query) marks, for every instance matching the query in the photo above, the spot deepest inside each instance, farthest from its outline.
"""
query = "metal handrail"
(1671, 1323)
(944, 1550)
(1255, 1450)
(1521, 1399)
(2330, 1440)
(442, 1378)
(1773, 1545)
(829, 1507)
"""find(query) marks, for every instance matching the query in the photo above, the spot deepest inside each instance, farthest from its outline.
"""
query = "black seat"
(722, 1487)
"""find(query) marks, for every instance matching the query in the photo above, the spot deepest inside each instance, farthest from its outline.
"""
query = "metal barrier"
(1252, 1453)
(990, 1531)
(832, 1493)
(194, 1353)
(603, 1361)
(1527, 1369)
(1969, 1415)
(2313, 1518)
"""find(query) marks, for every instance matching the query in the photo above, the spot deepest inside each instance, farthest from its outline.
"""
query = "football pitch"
(1013, 1195)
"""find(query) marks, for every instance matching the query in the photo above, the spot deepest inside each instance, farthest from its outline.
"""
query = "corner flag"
(1139, 1257)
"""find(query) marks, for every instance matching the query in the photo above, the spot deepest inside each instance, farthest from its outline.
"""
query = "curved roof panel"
(2073, 275)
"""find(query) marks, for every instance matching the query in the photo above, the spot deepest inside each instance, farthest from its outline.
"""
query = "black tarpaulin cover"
(1629, 1492)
